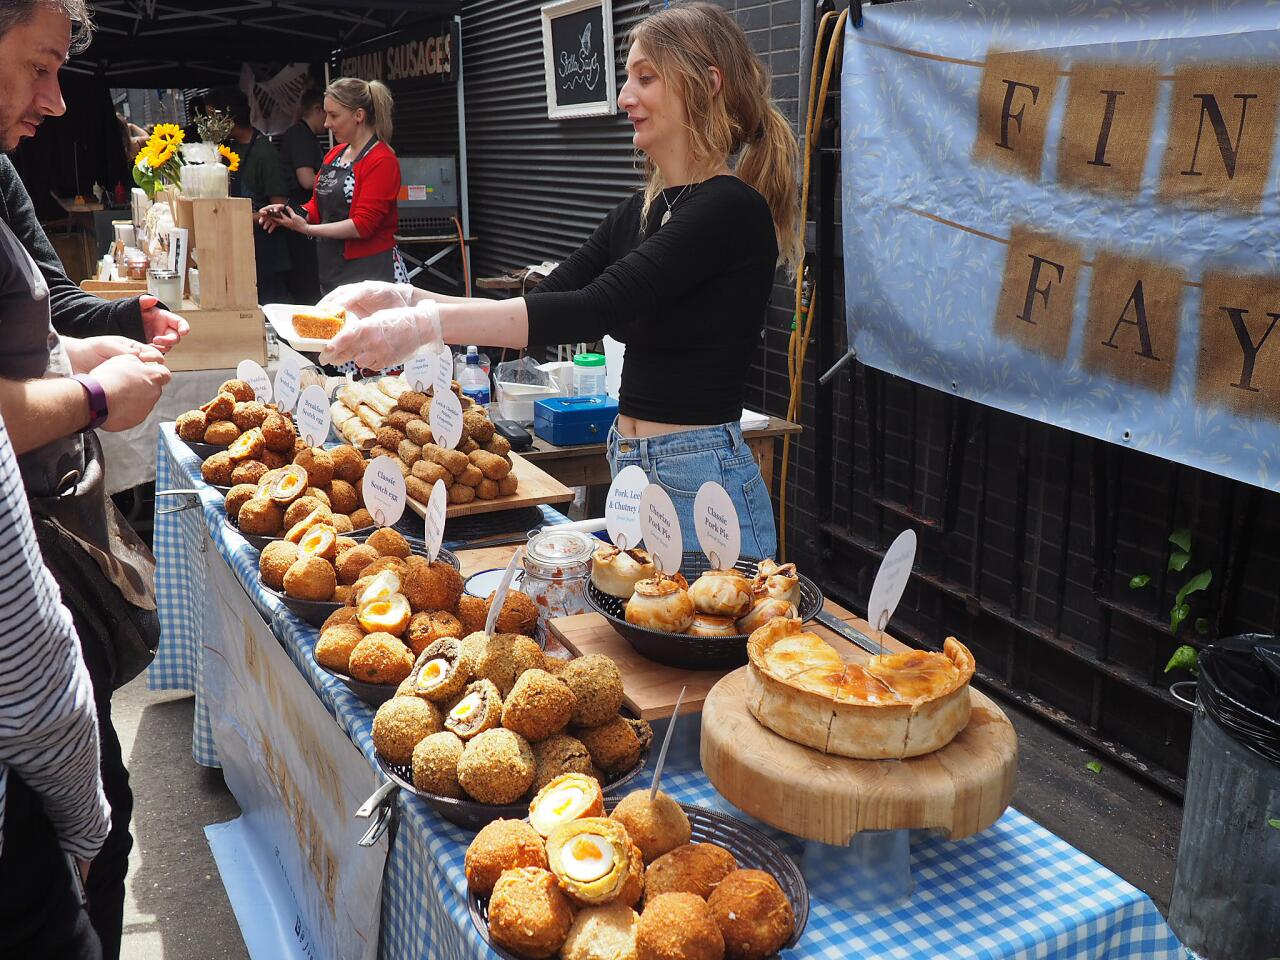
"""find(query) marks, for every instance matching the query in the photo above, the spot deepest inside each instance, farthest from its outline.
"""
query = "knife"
(836, 625)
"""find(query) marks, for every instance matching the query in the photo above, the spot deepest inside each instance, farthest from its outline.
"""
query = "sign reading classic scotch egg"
(661, 526)
(445, 419)
(252, 373)
(384, 491)
(313, 416)
(622, 507)
(716, 524)
(437, 508)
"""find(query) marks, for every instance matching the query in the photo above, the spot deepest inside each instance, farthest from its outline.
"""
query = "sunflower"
(232, 158)
(162, 153)
(168, 133)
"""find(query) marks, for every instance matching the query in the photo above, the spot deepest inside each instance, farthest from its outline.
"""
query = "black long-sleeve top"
(75, 313)
(688, 298)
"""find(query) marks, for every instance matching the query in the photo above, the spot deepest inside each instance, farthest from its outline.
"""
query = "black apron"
(334, 207)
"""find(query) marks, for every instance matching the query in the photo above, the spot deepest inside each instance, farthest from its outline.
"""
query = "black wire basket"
(316, 612)
(374, 694)
(751, 848)
(681, 650)
(471, 814)
(203, 450)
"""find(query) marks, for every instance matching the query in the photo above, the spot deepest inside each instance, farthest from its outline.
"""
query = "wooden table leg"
(762, 449)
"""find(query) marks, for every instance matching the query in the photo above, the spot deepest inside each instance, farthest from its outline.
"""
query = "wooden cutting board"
(536, 488)
(959, 790)
(652, 688)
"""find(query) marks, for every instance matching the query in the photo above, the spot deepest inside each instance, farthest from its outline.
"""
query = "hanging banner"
(1070, 213)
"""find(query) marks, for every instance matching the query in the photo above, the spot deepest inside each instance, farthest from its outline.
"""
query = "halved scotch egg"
(385, 614)
(248, 446)
(383, 584)
(318, 516)
(441, 671)
(480, 709)
(320, 541)
(568, 797)
(590, 858)
(290, 485)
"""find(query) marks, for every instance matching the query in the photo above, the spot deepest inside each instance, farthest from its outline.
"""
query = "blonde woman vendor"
(680, 272)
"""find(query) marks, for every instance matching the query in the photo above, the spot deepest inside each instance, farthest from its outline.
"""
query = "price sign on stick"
(445, 419)
(716, 523)
(289, 380)
(500, 595)
(661, 529)
(891, 581)
(441, 379)
(384, 491)
(253, 374)
(437, 507)
(313, 416)
(420, 369)
(622, 507)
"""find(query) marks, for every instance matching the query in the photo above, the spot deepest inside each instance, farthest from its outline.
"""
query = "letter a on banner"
(1131, 333)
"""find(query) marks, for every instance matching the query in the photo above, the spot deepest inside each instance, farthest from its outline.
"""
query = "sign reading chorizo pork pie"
(424, 51)
(1070, 213)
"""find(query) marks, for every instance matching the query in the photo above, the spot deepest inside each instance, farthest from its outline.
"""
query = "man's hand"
(162, 328)
(132, 388)
(88, 353)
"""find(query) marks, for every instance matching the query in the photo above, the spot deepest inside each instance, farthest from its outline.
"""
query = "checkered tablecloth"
(1014, 891)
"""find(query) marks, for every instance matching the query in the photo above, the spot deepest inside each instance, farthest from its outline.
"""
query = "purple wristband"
(97, 399)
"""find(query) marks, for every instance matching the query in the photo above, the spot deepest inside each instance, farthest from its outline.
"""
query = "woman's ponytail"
(383, 108)
(768, 163)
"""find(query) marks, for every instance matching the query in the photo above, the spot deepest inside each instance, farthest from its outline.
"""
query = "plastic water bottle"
(473, 380)
(588, 374)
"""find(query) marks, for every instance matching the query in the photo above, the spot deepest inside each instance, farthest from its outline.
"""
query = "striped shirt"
(48, 727)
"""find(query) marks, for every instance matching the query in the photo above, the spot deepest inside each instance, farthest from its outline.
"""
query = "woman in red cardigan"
(352, 212)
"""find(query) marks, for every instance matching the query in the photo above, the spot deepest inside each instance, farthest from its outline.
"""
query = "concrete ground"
(177, 909)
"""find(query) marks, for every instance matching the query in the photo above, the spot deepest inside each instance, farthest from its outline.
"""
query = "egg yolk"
(467, 707)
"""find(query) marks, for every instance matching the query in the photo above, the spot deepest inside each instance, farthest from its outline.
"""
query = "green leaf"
(1184, 658)
(1094, 766)
(1181, 538)
(1197, 583)
(1178, 559)
(1202, 626)
(1274, 823)
(1140, 581)
(1177, 615)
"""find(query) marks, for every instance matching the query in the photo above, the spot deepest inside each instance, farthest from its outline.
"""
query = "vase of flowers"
(159, 163)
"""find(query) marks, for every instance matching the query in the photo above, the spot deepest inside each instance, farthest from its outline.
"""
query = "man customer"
(261, 179)
(53, 390)
(302, 157)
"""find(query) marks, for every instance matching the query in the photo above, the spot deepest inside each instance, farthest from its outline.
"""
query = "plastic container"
(165, 286)
(589, 374)
(460, 363)
(473, 380)
(572, 421)
(1224, 902)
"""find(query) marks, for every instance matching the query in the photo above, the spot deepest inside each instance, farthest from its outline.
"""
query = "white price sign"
(384, 491)
(313, 416)
(891, 580)
(437, 507)
(252, 373)
(622, 507)
(445, 419)
(661, 529)
(716, 524)
(418, 370)
(500, 596)
(289, 380)
(442, 373)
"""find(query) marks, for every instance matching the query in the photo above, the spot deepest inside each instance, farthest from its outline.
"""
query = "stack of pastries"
(320, 486)
(720, 603)
(569, 881)
(495, 720)
(234, 411)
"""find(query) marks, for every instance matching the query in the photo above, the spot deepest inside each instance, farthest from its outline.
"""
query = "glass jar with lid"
(557, 567)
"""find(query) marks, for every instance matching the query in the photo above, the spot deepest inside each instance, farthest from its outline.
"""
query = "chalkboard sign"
(577, 47)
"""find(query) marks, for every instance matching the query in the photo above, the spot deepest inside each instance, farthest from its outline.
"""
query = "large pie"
(893, 706)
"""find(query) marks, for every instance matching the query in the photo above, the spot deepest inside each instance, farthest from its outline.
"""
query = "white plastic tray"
(280, 316)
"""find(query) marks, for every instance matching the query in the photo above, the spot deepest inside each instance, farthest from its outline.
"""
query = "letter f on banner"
(1014, 104)
(1038, 293)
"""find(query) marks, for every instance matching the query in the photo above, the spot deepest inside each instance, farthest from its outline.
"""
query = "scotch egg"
(441, 671)
(590, 858)
(568, 797)
(479, 709)
(299, 530)
(289, 485)
(385, 614)
(384, 584)
(320, 541)
(248, 446)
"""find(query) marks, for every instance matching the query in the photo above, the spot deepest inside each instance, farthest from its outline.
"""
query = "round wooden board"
(960, 790)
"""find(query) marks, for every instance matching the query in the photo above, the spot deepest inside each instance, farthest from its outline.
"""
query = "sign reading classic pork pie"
(1072, 214)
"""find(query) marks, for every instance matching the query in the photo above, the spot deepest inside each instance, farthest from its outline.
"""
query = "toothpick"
(666, 743)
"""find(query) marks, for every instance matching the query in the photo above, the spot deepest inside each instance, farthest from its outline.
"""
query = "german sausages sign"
(423, 52)
(1087, 236)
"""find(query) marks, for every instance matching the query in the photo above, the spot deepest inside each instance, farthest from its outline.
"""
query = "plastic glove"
(367, 297)
(387, 338)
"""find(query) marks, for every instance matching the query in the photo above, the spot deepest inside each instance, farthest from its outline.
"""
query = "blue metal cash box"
(570, 421)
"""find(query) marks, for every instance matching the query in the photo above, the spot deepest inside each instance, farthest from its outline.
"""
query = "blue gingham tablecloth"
(1013, 891)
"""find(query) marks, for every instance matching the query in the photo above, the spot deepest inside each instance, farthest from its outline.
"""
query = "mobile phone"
(516, 435)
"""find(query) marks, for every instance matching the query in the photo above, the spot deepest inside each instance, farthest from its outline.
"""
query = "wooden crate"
(114, 289)
(219, 339)
(220, 235)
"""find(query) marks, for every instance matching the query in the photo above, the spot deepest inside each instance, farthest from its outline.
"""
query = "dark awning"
(192, 43)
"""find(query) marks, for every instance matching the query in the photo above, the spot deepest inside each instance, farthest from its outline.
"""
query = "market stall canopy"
(190, 43)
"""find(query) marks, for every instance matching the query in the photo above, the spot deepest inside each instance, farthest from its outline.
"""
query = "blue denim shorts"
(682, 462)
